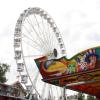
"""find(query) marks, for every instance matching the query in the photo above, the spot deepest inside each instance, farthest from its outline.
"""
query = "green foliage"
(89, 97)
(81, 96)
(3, 69)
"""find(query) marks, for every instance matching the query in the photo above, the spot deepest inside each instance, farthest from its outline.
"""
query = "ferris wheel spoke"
(36, 78)
(27, 30)
(30, 35)
(38, 35)
(36, 24)
(33, 56)
(43, 90)
(51, 92)
(46, 31)
(33, 46)
(51, 37)
(31, 40)
(40, 31)
(57, 91)
(49, 34)
(33, 30)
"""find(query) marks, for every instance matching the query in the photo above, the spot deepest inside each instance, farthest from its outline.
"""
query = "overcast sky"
(77, 20)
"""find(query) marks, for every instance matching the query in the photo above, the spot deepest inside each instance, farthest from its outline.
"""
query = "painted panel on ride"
(83, 67)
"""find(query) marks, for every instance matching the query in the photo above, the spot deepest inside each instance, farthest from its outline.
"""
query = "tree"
(89, 97)
(3, 69)
(80, 96)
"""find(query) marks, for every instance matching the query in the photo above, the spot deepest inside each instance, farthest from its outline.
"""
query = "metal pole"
(64, 93)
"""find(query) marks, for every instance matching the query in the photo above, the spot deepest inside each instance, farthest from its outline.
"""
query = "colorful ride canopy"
(83, 68)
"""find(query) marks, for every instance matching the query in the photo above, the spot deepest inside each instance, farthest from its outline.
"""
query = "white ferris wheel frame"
(18, 49)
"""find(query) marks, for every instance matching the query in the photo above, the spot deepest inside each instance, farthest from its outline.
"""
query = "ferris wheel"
(37, 35)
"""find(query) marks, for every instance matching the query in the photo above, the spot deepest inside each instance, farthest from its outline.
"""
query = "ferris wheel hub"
(52, 54)
(55, 52)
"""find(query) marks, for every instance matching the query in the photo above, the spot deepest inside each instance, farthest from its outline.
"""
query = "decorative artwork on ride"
(84, 61)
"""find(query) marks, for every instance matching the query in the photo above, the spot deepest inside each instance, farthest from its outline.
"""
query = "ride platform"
(80, 73)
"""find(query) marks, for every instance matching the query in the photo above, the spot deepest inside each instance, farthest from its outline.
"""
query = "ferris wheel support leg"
(64, 93)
